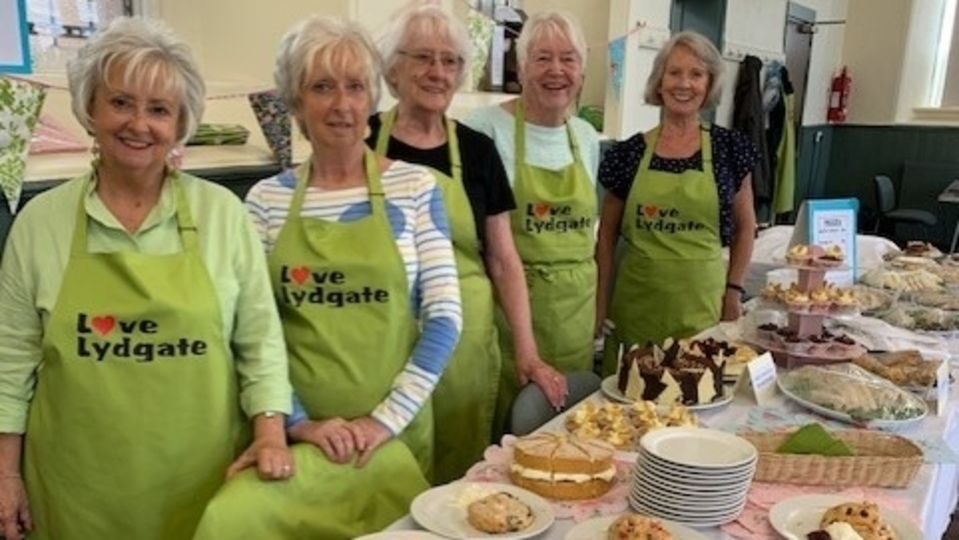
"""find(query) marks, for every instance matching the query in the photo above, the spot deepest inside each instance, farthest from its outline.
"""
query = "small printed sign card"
(758, 380)
(830, 222)
(941, 396)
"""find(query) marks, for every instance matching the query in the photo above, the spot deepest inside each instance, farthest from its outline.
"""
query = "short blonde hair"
(546, 24)
(705, 51)
(325, 39)
(151, 56)
(431, 21)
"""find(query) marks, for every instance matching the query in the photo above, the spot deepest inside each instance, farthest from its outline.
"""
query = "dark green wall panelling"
(921, 160)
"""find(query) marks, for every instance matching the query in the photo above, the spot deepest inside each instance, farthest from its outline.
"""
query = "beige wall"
(876, 32)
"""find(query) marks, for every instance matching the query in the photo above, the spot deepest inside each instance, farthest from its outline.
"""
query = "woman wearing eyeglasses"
(552, 159)
(425, 51)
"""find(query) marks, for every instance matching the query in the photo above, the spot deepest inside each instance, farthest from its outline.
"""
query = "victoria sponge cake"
(563, 466)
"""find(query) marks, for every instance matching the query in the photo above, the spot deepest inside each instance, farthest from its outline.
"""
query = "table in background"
(950, 195)
(931, 496)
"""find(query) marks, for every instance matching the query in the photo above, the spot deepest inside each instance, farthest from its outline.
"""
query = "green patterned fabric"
(20, 104)
(480, 28)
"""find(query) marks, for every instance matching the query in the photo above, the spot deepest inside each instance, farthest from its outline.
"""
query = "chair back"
(531, 409)
(885, 194)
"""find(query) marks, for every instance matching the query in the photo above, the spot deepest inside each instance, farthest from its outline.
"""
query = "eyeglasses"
(425, 60)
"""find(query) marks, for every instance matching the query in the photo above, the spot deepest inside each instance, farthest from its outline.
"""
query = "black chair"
(890, 215)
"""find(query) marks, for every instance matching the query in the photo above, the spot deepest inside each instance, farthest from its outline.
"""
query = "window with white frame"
(58, 27)
(945, 77)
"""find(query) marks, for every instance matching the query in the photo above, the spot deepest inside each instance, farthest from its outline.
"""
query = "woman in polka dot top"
(676, 194)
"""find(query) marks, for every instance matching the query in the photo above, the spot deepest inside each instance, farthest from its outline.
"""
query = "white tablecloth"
(931, 497)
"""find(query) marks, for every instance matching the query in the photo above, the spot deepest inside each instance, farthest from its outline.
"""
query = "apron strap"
(388, 119)
(519, 130)
(705, 147)
(185, 224)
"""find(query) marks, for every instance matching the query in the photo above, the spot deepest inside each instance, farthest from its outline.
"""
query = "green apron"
(553, 227)
(319, 502)
(344, 301)
(671, 279)
(464, 399)
(136, 415)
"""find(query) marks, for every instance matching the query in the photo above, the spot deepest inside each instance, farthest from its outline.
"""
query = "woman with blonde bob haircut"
(363, 272)
(705, 51)
(137, 324)
(677, 195)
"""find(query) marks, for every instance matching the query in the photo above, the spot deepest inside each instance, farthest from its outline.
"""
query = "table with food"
(858, 442)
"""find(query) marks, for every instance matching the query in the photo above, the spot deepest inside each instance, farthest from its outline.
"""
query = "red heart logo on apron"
(650, 211)
(300, 274)
(541, 209)
(104, 324)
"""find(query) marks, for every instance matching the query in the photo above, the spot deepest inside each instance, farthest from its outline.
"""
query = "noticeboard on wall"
(14, 37)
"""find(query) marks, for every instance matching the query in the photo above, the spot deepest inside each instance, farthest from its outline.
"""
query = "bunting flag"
(274, 119)
(480, 28)
(617, 56)
(20, 105)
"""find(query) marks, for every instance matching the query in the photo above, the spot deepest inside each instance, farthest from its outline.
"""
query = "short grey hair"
(703, 49)
(550, 23)
(431, 21)
(323, 38)
(150, 55)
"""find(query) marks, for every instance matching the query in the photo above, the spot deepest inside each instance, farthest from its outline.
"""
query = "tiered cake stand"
(804, 341)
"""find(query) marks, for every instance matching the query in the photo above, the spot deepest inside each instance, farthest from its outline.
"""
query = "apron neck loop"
(388, 119)
(185, 224)
(519, 129)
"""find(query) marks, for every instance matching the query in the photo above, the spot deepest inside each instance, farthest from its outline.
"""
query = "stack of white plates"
(692, 475)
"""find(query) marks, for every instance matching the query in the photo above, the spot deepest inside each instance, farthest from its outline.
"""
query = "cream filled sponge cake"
(689, 373)
(562, 466)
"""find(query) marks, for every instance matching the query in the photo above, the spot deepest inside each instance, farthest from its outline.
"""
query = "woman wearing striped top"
(364, 277)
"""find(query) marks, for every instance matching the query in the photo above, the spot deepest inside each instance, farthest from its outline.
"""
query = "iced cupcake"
(797, 301)
(799, 254)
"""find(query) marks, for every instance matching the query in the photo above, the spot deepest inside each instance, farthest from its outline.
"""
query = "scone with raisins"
(499, 513)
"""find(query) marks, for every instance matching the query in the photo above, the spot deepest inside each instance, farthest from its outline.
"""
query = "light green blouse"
(35, 259)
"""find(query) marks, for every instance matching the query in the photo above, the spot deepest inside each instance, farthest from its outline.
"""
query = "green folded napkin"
(814, 439)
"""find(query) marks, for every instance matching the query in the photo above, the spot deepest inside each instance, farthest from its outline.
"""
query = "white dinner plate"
(698, 447)
(720, 474)
(593, 529)
(610, 389)
(401, 535)
(693, 519)
(843, 417)
(442, 510)
(796, 517)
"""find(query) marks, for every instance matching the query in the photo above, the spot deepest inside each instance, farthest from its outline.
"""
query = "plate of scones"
(482, 509)
(834, 517)
(631, 527)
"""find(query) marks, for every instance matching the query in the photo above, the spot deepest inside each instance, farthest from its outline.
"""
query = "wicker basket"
(881, 459)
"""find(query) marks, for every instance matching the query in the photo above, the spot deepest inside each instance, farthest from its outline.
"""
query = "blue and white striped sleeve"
(440, 311)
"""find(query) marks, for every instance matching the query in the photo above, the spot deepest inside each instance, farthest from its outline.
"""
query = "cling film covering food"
(850, 390)
(915, 292)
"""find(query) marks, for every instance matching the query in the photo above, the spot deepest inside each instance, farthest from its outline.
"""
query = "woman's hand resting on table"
(341, 440)
(14, 510)
(732, 306)
(550, 380)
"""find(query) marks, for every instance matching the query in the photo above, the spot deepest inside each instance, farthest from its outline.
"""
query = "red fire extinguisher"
(839, 97)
